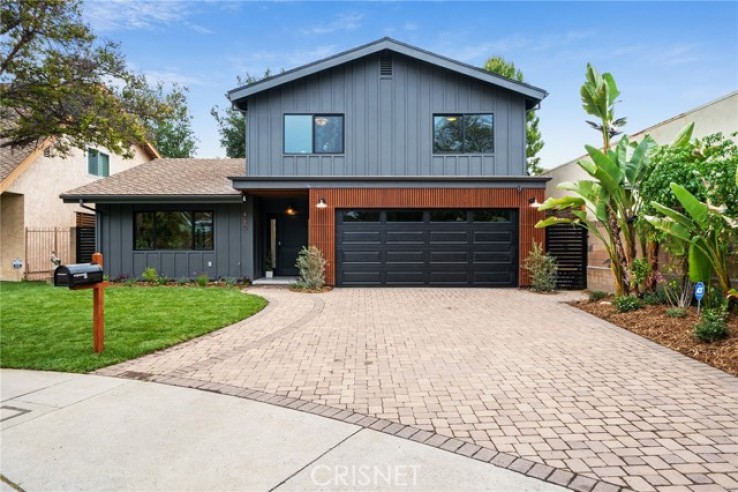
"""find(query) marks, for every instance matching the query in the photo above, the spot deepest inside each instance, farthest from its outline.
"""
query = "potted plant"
(268, 267)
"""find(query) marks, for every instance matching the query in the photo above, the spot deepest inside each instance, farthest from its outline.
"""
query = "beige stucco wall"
(11, 235)
(39, 204)
(48, 177)
(720, 115)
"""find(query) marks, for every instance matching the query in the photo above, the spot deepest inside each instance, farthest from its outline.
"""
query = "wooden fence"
(41, 244)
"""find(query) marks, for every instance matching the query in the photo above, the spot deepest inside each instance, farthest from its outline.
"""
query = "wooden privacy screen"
(322, 228)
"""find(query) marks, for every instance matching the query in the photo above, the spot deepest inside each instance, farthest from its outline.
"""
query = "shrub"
(542, 268)
(597, 295)
(150, 275)
(627, 303)
(676, 312)
(710, 331)
(202, 279)
(652, 299)
(229, 281)
(183, 281)
(311, 264)
(162, 280)
(639, 271)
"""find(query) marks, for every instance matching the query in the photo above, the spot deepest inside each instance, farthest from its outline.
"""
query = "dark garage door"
(441, 247)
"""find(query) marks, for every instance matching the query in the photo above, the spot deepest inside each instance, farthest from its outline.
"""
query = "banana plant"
(609, 199)
(706, 231)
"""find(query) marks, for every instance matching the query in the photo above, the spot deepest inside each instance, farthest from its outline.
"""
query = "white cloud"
(342, 22)
(172, 77)
(669, 55)
(116, 15)
(257, 62)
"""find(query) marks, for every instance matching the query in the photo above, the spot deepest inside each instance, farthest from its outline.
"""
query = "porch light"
(320, 121)
(321, 203)
(534, 203)
(290, 210)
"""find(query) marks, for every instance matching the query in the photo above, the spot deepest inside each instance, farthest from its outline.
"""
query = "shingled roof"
(11, 158)
(164, 178)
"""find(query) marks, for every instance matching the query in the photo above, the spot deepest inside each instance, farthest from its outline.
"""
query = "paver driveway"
(508, 370)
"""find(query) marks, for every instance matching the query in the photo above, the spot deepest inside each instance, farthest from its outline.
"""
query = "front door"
(292, 235)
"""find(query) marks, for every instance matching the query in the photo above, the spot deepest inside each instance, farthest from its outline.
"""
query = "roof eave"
(74, 198)
(532, 93)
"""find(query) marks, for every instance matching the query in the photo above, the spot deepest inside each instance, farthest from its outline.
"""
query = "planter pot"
(269, 274)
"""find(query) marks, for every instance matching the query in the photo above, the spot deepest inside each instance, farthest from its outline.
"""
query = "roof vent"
(385, 67)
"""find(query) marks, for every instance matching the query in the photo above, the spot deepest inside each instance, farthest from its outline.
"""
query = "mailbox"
(78, 274)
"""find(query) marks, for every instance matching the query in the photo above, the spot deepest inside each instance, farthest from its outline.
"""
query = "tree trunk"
(620, 270)
(653, 261)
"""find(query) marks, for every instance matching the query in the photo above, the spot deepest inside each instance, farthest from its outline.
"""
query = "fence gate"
(85, 237)
(568, 244)
(41, 244)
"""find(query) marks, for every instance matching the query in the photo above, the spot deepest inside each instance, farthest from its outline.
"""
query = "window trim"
(192, 230)
(312, 137)
(97, 163)
(462, 115)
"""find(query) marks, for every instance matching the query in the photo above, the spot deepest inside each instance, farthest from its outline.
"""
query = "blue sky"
(667, 57)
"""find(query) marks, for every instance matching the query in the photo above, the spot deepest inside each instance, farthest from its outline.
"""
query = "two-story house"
(404, 167)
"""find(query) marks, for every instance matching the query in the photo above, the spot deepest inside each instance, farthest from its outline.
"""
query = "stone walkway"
(509, 371)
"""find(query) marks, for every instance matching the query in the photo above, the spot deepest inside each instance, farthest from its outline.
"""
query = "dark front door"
(438, 247)
(292, 235)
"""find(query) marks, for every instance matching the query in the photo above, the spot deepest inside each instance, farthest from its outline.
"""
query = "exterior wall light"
(321, 203)
(290, 210)
(534, 203)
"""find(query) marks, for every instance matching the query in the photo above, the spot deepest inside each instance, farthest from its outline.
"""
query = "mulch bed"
(675, 333)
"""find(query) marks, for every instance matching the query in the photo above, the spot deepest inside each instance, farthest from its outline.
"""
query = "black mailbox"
(78, 274)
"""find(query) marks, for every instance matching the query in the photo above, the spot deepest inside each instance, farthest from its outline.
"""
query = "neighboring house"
(720, 115)
(402, 166)
(31, 180)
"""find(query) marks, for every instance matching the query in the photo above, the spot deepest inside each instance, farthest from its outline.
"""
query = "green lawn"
(45, 327)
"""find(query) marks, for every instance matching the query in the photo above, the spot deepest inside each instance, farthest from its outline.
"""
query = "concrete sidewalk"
(84, 432)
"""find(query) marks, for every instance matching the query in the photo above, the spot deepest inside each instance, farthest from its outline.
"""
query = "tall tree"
(58, 81)
(172, 135)
(500, 66)
(232, 122)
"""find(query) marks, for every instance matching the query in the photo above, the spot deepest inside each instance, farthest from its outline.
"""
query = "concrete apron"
(84, 432)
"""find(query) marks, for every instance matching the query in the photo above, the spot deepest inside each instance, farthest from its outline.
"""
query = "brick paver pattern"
(508, 370)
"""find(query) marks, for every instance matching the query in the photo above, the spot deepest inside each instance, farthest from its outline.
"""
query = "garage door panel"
(416, 257)
(364, 237)
(406, 237)
(383, 252)
(369, 256)
(404, 277)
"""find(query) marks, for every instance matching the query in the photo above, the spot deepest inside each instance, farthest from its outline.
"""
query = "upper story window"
(98, 164)
(313, 134)
(463, 134)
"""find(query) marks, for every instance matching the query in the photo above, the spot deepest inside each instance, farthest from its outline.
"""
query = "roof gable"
(533, 94)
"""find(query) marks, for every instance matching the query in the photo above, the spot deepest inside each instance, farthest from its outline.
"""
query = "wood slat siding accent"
(322, 222)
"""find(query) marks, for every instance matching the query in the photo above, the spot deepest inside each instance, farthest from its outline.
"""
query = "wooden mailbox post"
(98, 307)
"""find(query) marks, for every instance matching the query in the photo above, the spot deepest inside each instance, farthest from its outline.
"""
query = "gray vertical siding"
(388, 123)
(230, 257)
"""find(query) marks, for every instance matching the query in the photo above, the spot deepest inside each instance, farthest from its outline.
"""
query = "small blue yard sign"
(699, 293)
(699, 290)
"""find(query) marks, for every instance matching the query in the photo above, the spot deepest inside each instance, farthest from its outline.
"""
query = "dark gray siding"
(230, 257)
(388, 122)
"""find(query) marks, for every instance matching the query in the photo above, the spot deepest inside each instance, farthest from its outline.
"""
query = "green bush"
(542, 268)
(597, 295)
(676, 312)
(162, 280)
(627, 303)
(150, 275)
(311, 264)
(710, 331)
(652, 299)
(202, 279)
(183, 281)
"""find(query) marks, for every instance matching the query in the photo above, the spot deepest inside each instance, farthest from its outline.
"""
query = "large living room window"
(98, 163)
(463, 133)
(176, 229)
(313, 134)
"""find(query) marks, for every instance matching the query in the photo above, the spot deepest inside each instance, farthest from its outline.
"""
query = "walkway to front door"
(480, 372)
